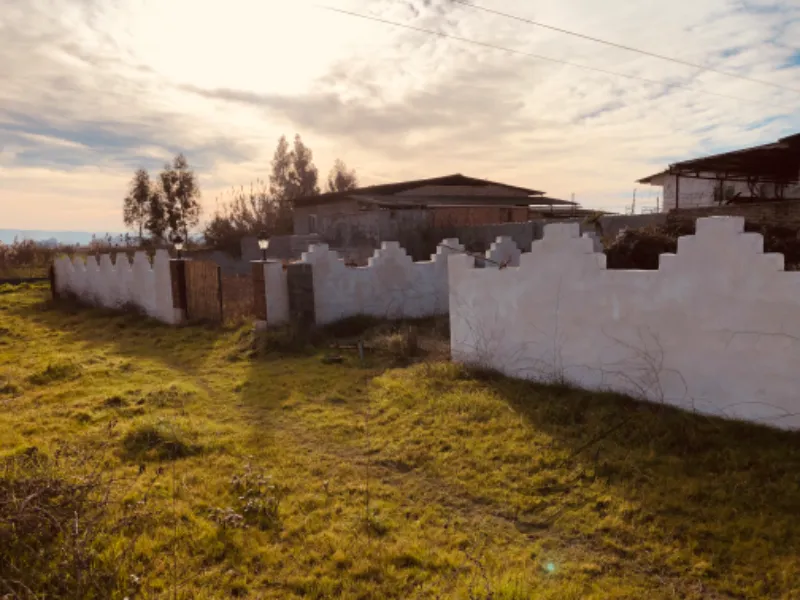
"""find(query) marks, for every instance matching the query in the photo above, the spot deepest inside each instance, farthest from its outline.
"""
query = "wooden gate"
(203, 291)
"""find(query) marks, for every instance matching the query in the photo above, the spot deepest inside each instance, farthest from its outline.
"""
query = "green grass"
(268, 472)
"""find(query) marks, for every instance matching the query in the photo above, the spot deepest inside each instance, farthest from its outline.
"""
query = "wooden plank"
(203, 286)
(238, 297)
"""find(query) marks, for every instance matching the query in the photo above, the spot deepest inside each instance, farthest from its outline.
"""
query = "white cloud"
(93, 89)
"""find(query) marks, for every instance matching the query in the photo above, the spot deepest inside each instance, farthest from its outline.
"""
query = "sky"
(91, 90)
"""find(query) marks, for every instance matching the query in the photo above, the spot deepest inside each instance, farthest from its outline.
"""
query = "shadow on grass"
(128, 333)
(288, 367)
(723, 495)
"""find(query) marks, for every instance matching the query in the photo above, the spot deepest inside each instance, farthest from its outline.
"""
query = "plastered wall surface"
(390, 286)
(277, 294)
(121, 283)
(716, 329)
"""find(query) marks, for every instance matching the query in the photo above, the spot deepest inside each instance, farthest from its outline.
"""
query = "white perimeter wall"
(119, 284)
(716, 329)
(391, 286)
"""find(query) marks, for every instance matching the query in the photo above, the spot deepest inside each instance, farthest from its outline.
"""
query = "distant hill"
(62, 237)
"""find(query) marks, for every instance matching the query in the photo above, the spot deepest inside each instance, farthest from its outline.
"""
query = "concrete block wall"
(714, 330)
(391, 286)
(121, 283)
(503, 252)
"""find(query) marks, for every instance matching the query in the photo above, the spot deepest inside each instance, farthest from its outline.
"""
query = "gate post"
(177, 272)
(51, 274)
(219, 295)
(259, 293)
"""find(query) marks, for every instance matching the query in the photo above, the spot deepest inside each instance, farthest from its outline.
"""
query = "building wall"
(120, 284)
(700, 192)
(562, 315)
(302, 213)
(464, 216)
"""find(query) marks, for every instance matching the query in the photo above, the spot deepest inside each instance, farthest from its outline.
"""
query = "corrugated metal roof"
(777, 162)
(392, 189)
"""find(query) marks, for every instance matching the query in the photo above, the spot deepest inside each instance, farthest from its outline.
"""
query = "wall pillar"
(177, 271)
(259, 293)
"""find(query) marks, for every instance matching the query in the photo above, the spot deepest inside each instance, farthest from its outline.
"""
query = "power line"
(541, 57)
(624, 47)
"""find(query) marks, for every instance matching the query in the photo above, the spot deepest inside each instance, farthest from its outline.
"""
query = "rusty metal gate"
(203, 291)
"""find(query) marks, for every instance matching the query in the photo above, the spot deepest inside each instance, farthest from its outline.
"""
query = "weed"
(54, 372)
(115, 402)
(258, 497)
(159, 440)
(9, 389)
(57, 515)
(172, 396)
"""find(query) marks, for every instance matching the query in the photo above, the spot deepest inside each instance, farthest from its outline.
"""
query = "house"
(766, 172)
(378, 211)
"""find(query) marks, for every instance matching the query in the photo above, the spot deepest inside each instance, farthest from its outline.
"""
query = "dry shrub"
(25, 259)
(641, 248)
(159, 441)
(61, 519)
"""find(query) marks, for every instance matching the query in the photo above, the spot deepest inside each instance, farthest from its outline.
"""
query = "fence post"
(51, 273)
(259, 293)
(300, 280)
(219, 295)
(177, 272)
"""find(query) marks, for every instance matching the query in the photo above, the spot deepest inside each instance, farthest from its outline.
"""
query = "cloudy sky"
(92, 89)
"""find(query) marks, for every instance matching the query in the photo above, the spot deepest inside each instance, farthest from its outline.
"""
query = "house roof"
(400, 202)
(392, 189)
(778, 162)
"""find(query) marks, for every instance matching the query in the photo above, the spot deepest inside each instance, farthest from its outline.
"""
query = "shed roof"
(778, 162)
(391, 189)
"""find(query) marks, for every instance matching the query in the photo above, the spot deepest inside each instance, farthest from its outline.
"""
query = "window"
(312, 223)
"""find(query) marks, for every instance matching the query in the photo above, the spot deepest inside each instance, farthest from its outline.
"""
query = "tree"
(280, 185)
(269, 207)
(245, 213)
(136, 205)
(181, 195)
(293, 176)
(304, 174)
(157, 223)
(280, 179)
(340, 179)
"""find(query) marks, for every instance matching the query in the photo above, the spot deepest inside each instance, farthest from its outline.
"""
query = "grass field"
(225, 467)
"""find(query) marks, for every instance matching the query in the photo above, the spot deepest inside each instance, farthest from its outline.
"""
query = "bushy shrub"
(60, 526)
(640, 248)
